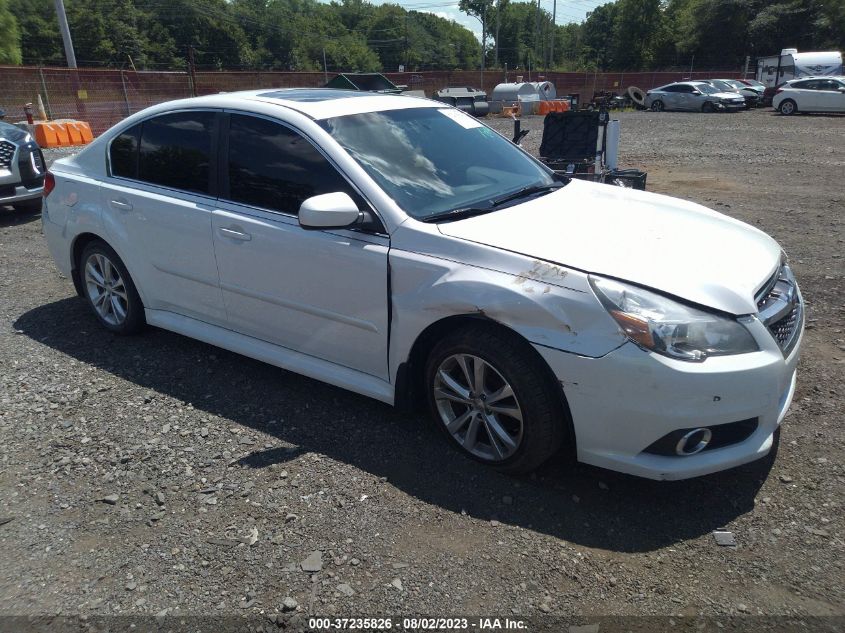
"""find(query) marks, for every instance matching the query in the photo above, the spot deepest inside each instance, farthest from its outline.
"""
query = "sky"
(567, 10)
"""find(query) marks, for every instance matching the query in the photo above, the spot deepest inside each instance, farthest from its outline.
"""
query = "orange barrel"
(51, 134)
(79, 132)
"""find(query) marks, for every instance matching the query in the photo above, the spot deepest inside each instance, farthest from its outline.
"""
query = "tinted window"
(672, 88)
(273, 167)
(176, 150)
(124, 153)
(829, 84)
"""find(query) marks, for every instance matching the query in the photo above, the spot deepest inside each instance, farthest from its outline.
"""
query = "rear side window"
(273, 167)
(124, 153)
(176, 151)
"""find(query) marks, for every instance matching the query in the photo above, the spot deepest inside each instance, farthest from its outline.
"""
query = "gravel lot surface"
(156, 474)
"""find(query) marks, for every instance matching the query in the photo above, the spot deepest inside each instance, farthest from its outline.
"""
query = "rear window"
(175, 151)
(123, 153)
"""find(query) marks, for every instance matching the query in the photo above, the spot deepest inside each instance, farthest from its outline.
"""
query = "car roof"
(316, 103)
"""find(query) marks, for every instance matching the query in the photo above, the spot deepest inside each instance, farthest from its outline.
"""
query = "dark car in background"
(21, 169)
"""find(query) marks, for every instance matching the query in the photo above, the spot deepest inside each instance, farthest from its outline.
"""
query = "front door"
(322, 293)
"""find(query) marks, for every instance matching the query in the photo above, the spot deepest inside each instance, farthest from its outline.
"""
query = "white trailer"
(790, 64)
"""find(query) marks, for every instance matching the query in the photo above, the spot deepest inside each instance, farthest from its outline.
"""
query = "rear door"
(157, 201)
(830, 96)
(322, 293)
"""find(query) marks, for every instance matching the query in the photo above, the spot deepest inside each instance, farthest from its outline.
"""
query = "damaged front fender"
(546, 304)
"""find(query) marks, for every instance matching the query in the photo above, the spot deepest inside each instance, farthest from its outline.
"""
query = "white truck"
(790, 64)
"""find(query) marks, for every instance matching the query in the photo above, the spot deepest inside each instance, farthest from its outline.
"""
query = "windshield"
(722, 85)
(707, 89)
(736, 84)
(434, 160)
(754, 82)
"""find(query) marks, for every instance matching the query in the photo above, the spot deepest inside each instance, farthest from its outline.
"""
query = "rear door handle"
(235, 234)
(121, 204)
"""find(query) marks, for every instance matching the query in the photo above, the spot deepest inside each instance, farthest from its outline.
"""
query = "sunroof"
(313, 94)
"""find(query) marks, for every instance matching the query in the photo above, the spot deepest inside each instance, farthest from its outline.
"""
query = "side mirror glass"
(328, 211)
(696, 92)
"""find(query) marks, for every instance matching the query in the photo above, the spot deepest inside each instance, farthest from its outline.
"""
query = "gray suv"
(21, 169)
(694, 96)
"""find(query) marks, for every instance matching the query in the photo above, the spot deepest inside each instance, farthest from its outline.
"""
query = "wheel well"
(410, 376)
(82, 240)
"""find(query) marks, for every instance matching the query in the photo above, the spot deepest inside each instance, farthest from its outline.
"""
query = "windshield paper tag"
(464, 120)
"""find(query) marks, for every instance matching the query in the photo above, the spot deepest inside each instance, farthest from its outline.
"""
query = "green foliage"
(357, 35)
(10, 36)
(223, 34)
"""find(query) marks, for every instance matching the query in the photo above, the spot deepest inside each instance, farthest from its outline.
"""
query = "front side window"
(123, 153)
(434, 160)
(175, 151)
(273, 167)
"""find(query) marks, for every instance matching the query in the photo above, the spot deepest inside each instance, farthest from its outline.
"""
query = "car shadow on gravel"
(580, 504)
(11, 217)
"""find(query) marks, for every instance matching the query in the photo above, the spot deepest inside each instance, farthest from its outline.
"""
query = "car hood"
(12, 133)
(726, 95)
(671, 245)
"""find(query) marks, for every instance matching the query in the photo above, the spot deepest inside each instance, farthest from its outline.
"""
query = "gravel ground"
(155, 474)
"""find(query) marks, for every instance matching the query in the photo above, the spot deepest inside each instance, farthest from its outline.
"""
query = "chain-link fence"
(102, 97)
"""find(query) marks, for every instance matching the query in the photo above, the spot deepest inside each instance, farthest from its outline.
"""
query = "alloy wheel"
(478, 407)
(106, 289)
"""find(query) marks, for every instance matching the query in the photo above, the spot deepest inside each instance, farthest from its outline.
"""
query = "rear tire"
(788, 107)
(657, 106)
(511, 418)
(109, 290)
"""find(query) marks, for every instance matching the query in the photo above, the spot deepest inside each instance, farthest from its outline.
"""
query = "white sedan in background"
(812, 94)
(404, 250)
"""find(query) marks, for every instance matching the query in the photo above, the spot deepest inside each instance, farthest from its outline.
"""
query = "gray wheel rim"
(786, 107)
(106, 289)
(478, 407)
(657, 106)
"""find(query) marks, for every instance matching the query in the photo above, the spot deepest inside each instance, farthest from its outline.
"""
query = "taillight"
(778, 90)
(49, 183)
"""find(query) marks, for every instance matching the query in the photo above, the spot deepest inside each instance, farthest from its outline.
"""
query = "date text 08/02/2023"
(417, 624)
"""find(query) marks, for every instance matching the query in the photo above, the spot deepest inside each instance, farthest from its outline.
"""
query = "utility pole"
(325, 68)
(554, 34)
(65, 29)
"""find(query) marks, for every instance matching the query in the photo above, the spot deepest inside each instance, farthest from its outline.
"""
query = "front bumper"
(623, 402)
(12, 194)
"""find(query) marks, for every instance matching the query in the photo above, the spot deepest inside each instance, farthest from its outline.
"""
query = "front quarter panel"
(547, 304)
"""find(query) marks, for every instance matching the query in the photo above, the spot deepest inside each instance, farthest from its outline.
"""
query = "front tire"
(657, 106)
(788, 107)
(494, 398)
(707, 107)
(109, 290)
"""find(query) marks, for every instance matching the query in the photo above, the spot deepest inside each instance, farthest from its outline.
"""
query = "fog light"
(693, 442)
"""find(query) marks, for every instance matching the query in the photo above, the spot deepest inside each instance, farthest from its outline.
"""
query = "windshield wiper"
(457, 214)
(526, 191)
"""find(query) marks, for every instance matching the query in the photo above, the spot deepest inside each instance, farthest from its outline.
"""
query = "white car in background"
(810, 94)
(342, 235)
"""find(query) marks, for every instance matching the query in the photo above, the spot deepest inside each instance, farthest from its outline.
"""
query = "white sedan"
(813, 94)
(403, 250)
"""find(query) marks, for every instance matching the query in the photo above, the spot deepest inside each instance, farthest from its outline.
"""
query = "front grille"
(783, 330)
(7, 150)
(780, 308)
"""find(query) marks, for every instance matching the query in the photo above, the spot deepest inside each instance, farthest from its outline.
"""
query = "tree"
(481, 10)
(10, 36)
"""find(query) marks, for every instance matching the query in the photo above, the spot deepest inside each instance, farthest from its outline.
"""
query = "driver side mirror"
(328, 211)
(696, 92)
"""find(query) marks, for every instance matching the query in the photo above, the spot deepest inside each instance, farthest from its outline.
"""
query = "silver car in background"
(692, 96)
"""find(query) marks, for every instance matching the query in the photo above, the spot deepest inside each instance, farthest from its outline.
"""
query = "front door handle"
(121, 204)
(235, 234)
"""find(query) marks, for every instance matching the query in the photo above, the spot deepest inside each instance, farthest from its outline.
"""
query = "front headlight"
(659, 324)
